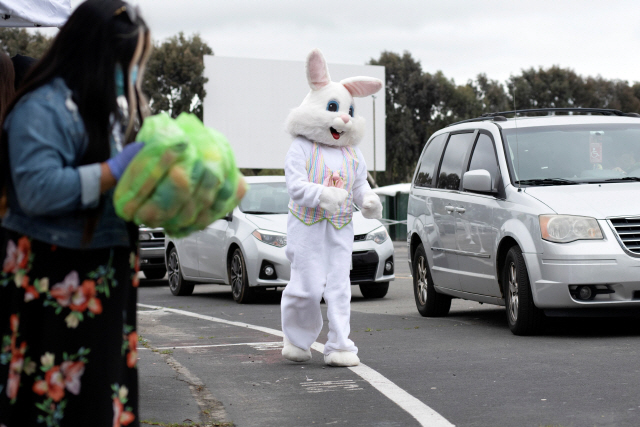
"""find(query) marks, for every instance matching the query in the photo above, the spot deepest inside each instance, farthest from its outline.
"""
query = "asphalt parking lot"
(206, 359)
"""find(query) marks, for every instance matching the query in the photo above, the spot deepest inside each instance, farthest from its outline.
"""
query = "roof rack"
(500, 116)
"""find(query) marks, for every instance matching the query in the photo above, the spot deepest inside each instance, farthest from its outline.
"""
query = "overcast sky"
(459, 37)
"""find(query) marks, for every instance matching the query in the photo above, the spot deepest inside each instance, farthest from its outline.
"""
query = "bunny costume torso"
(318, 172)
(320, 253)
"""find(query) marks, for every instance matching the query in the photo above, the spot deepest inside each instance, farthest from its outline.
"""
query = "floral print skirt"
(68, 335)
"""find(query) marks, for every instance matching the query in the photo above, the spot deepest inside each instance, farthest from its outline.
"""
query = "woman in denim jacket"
(67, 287)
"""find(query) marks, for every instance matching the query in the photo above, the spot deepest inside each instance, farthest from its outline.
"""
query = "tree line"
(417, 102)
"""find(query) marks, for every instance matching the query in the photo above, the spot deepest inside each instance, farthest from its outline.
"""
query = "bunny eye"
(351, 111)
(332, 106)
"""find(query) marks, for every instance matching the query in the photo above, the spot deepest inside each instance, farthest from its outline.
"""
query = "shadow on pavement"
(561, 327)
(147, 283)
(262, 297)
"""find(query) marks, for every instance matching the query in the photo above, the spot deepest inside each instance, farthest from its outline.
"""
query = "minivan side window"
(453, 162)
(430, 160)
(484, 157)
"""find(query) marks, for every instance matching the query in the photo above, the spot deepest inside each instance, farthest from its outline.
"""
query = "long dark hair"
(7, 76)
(99, 36)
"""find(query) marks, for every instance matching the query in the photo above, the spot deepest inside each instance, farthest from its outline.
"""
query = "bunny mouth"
(335, 133)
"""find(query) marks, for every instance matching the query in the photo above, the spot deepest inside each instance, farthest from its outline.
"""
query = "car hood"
(595, 200)
(362, 225)
(271, 222)
(278, 222)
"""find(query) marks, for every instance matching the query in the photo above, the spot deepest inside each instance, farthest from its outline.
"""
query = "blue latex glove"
(120, 161)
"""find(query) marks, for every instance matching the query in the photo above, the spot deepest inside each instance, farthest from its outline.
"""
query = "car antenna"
(515, 122)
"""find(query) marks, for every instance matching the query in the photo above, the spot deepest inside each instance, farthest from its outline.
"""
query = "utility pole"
(374, 138)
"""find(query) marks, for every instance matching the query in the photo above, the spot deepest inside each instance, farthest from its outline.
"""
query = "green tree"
(404, 90)
(174, 80)
(20, 41)
(418, 104)
(492, 94)
(554, 87)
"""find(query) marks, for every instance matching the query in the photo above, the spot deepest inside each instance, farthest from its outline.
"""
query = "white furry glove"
(371, 206)
(331, 198)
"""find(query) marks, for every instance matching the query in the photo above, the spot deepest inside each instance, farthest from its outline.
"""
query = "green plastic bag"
(183, 179)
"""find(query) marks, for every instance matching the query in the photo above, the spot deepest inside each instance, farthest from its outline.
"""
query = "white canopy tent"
(34, 13)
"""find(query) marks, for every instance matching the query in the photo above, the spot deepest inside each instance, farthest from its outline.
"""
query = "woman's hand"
(113, 168)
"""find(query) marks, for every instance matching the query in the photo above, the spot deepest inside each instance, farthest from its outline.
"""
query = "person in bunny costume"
(325, 173)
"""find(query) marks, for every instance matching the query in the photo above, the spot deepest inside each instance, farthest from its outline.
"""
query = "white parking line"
(258, 345)
(426, 416)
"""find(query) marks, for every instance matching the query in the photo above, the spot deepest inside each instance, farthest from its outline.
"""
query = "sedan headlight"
(379, 235)
(272, 238)
(569, 228)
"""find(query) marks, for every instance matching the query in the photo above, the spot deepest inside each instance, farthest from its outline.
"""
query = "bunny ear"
(317, 70)
(362, 86)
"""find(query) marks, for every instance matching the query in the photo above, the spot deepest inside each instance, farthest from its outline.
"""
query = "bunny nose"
(345, 118)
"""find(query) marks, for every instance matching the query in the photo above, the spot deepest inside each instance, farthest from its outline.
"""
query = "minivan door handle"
(461, 210)
(450, 209)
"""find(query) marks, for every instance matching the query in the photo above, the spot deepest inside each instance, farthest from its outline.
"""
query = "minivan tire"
(523, 316)
(429, 302)
(177, 284)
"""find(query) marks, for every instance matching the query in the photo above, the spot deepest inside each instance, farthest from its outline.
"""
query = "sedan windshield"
(266, 198)
(560, 155)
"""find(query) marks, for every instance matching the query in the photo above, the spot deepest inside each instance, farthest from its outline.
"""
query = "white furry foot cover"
(295, 354)
(371, 206)
(332, 197)
(341, 358)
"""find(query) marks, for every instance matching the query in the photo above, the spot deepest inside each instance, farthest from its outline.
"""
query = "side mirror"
(478, 180)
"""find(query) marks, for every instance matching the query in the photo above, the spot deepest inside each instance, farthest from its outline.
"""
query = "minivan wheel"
(374, 290)
(238, 279)
(429, 302)
(523, 316)
(177, 284)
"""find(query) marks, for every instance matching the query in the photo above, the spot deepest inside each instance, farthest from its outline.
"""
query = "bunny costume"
(326, 173)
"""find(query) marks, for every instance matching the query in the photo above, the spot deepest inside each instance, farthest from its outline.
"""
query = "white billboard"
(248, 101)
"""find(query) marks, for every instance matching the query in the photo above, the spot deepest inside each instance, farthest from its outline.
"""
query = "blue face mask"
(119, 79)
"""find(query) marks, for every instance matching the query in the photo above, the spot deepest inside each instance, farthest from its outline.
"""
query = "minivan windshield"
(569, 154)
(266, 198)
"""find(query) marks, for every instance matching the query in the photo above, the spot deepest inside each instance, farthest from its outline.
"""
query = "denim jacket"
(49, 192)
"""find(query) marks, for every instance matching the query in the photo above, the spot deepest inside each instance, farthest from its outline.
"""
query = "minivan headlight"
(379, 235)
(272, 238)
(569, 228)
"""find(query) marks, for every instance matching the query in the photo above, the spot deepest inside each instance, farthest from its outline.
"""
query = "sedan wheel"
(374, 290)
(177, 284)
(237, 271)
(523, 316)
(429, 302)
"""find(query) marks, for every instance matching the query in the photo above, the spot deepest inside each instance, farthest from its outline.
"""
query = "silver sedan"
(246, 249)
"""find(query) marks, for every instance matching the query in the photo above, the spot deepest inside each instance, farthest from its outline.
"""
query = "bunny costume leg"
(320, 257)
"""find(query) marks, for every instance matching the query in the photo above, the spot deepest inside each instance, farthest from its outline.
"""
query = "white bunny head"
(327, 113)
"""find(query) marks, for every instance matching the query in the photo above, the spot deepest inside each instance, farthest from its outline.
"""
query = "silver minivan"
(540, 214)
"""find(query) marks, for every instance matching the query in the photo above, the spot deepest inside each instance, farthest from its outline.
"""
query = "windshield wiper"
(624, 178)
(546, 181)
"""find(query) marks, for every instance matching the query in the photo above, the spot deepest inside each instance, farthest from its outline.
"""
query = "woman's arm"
(107, 180)
(43, 147)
